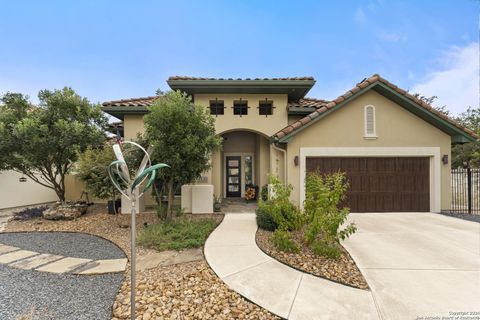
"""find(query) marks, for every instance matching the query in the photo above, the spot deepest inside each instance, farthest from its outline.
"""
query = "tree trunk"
(170, 201)
(60, 193)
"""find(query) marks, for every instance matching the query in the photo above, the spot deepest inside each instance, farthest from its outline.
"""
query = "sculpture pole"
(133, 257)
(120, 176)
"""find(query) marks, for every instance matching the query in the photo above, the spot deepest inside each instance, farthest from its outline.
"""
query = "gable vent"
(370, 121)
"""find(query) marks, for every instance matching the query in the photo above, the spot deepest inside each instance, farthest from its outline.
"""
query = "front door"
(234, 176)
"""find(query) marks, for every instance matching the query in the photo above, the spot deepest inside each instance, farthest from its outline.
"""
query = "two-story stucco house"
(394, 148)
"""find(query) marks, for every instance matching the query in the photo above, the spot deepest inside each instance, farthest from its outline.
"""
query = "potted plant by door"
(92, 170)
(251, 192)
(217, 205)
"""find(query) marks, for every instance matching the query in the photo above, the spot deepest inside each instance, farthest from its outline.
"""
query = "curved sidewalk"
(231, 251)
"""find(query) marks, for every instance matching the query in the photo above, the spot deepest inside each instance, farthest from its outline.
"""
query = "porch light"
(295, 161)
(445, 159)
(22, 179)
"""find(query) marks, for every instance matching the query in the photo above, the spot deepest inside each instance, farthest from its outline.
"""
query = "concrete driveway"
(418, 265)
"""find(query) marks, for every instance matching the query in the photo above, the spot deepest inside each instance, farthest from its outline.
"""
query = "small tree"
(182, 135)
(92, 169)
(323, 198)
(43, 142)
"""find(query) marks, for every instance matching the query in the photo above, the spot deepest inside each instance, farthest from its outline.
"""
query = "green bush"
(92, 170)
(286, 215)
(178, 234)
(265, 219)
(264, 193)
(281, 240)
(322, 248)
(324, 217)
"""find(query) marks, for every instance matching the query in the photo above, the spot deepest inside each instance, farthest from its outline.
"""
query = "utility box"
(202, 198)
(186, 201)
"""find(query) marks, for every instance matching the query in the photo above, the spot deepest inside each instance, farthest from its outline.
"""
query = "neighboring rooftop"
(133, 102)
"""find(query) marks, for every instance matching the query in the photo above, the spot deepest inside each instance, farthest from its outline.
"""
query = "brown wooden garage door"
(381, 184)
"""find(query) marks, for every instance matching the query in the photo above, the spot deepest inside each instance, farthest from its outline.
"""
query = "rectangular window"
(240, 107)
(265, 108)
(216, 107)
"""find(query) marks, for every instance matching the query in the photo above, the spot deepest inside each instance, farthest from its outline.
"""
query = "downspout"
(274, 145)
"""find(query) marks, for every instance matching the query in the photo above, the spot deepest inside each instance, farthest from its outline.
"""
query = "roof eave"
(458, 135)
(119, 112)
(296, 89)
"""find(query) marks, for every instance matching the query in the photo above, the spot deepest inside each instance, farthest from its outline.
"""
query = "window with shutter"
(370, 131)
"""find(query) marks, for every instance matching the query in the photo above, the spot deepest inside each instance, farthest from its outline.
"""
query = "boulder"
(65, 211)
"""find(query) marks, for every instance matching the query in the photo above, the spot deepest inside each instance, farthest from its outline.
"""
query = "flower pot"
(113, 206)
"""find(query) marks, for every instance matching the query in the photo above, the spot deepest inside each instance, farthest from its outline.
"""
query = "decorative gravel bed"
(78, 245)
(185, 291)
(182, 291)
(26, 294)
(342, 270)
(96, 221)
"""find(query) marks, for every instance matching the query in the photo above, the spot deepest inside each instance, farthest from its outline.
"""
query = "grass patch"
(179, 234)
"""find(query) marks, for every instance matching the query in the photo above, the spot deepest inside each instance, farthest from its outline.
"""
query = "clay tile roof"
(134, 102)
(242, 79)
(361, 85)
(307, 103)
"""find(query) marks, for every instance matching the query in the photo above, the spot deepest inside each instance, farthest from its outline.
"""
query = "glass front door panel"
(234, 176)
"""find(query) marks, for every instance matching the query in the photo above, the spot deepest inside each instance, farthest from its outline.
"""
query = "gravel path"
(68, 244)
(42, 295)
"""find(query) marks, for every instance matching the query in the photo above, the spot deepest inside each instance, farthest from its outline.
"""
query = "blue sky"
(110, 50)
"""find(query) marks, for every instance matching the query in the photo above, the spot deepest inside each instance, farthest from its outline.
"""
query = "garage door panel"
(381, 184)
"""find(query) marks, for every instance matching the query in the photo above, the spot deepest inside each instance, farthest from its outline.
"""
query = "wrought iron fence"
(466, 190)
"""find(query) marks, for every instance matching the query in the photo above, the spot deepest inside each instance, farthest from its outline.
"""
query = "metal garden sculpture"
(120, 175)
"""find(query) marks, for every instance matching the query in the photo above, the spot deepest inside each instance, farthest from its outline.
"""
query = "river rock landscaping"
(181, 291)
(342, 270)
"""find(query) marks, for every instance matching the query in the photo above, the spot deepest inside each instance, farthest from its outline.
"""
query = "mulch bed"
(342, 270)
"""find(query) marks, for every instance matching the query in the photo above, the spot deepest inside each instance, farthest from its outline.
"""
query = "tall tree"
(466, 154)
(182, 135)
(43, 142)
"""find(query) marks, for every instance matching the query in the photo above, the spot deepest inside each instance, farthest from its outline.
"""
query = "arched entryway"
(243, 161)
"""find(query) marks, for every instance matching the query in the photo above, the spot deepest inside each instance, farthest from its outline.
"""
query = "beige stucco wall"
(252, 121)
(74, 187)
(133, 124)
(395, 127)
(14, 193)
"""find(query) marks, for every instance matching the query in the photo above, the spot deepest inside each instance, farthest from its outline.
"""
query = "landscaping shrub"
(325, 249)
(323, 214)
(281, 240)
(264, 193)
(29, 213)
(265, 219)
(177, 234)
(285, 214)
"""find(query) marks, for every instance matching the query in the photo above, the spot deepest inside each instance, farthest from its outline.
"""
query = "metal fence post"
(469, 189)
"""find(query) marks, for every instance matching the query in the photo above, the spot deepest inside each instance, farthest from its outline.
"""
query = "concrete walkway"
(418, 265)
(31, 260)
(232, 253)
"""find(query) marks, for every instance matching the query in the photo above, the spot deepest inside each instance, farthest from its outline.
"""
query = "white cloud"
(456, 83)
(392, 36)
(359, 16)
